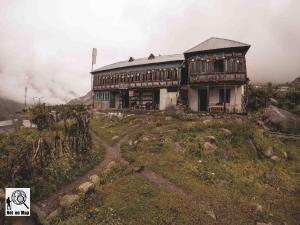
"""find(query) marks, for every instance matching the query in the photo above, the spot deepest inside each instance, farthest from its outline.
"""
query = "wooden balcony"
(218, 77)
(145, 84)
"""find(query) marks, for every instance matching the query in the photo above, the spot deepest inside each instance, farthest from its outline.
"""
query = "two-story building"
(208, 77)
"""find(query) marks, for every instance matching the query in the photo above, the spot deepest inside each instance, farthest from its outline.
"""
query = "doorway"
(125, 98)
(202, 100)
(156, 99)
(112, 100)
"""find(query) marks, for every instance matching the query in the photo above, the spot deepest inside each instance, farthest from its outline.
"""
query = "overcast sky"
(46, 45)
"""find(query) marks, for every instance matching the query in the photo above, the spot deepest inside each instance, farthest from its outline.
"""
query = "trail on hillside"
(112, 153)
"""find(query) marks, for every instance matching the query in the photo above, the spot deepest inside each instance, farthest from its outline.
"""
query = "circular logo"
(19, 197)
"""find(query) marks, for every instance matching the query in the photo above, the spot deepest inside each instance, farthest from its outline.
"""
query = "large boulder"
(94, 178)
(282, 119)
(208, 148)
(86, 187)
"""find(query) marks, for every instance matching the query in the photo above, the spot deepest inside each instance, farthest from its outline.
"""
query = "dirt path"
(112, 153)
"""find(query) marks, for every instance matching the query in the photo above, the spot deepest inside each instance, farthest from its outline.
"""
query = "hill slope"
(8, 107)
(86, 100)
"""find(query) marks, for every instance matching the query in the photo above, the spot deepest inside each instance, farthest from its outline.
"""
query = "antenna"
(26, 97)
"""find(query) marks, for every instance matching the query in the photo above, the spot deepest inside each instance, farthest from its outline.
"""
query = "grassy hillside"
(245, 176)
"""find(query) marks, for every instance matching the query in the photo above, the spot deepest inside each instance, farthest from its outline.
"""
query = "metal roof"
(142, 61)
(216, 43)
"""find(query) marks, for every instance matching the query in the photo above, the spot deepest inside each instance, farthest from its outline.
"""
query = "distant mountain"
(8, 107)
(296, 81)
(85, 100)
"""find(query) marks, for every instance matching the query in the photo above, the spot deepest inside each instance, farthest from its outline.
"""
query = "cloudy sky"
(46, 45)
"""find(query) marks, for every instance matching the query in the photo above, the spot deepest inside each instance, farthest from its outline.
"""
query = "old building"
(209, 77)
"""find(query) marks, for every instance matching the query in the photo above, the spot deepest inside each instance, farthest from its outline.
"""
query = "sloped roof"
(141, 61)
(216, 43)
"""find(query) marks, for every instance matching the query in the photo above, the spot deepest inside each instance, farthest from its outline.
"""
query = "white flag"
(94, 55)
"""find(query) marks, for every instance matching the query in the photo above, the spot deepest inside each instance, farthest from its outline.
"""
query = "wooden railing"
(217, 77)
(138, 85)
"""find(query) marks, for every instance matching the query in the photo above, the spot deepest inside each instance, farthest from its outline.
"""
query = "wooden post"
(224, 99)
(207, 97)
(235, 92)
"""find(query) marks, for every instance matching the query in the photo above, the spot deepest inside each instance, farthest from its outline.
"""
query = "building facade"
(208, 77)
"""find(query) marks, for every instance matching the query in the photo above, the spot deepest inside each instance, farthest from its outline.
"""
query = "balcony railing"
(217, 77)
(147, 84)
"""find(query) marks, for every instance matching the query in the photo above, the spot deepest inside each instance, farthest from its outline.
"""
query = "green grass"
(242, 177)
(133, 200)
(107, 128)
(49, 178)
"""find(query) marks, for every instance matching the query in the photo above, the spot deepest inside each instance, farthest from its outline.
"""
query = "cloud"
(46, 45)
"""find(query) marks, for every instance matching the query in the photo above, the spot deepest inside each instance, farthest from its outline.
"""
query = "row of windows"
(205, 66)
(102, 96)
(136, 77)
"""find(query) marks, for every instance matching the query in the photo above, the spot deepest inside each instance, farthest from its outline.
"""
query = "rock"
(168, 118)
(130, 142)
(239, 120)
(138, 169)
(54, 214)
(94, 178)
(67, 200)
(226, 131)
(275, 158)
(211, 214)
(206, 122)
(261, 123)
(285, 155)
(2, 193)
(86, 187)
(222, 183)
(268, 152)
(282, 119)
(211, 139)
(109, 166)
(145, 139)
(128, 171)
(208, 148)
(273, 101)
(259, 209)
(172, 131)
(115, 137)
(135, 142)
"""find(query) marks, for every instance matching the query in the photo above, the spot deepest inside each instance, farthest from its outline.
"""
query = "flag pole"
(92, 92)
(94, 55)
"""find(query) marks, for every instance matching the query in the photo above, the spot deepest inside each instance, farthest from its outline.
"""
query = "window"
(102, 96)
(218, 65)
(169, 75)
(221, 95)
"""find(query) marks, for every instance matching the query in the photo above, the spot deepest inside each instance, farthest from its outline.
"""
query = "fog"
(46, 45)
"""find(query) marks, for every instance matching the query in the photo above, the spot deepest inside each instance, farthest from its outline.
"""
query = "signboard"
(131, 93)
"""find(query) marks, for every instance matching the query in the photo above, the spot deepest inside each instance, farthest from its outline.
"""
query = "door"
(112, 100)
(156, 99)
(125, 99)
(202, 100)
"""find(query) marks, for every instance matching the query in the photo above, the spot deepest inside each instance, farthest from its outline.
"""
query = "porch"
(216, 98)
